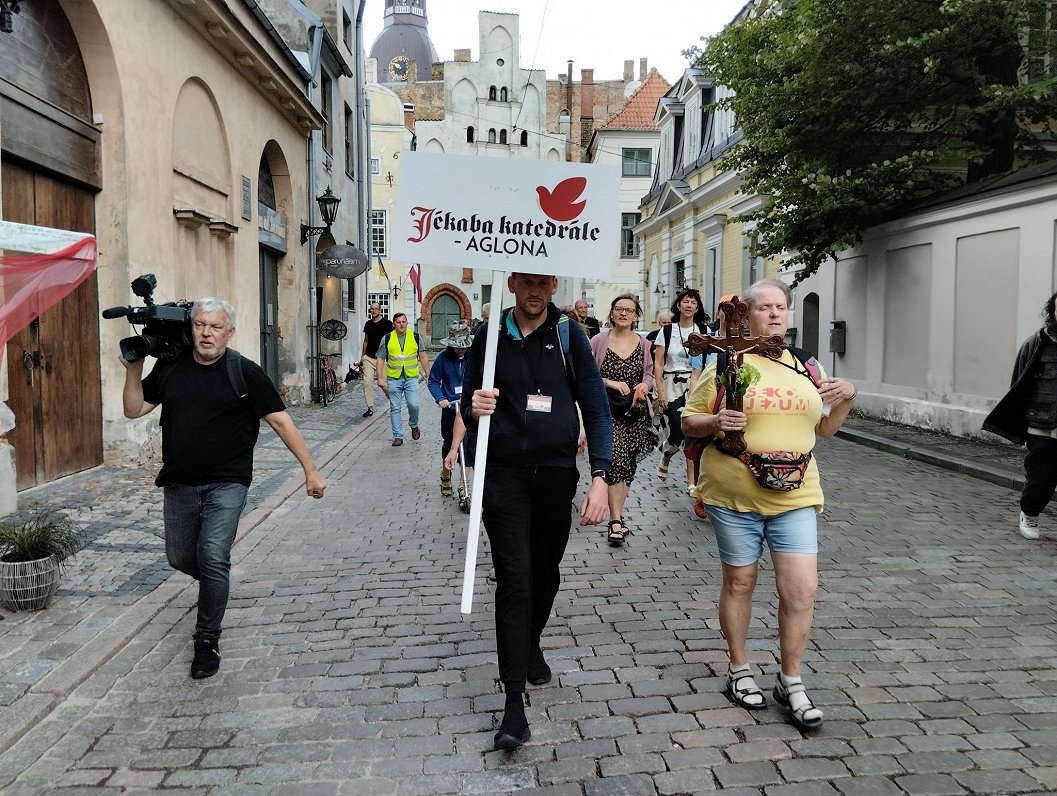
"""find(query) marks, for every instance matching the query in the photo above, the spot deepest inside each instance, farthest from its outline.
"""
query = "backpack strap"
(563, 339)
(236, 376)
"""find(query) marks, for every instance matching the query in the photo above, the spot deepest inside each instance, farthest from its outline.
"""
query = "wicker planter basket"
(28, 585)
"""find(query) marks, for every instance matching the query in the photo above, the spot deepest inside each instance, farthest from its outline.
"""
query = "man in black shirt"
(210, 420)
(591, 324)
(374, 330)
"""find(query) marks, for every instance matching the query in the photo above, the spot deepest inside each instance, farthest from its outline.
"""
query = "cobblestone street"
(348, 668)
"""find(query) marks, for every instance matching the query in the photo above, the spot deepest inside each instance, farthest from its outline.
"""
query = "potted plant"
(32, 556)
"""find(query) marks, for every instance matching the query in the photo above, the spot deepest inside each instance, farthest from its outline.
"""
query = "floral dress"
(632, 438)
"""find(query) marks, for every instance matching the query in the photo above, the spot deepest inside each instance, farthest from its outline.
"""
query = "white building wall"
(937, 305)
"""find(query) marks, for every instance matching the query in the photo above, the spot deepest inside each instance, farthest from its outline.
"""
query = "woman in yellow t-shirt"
(784, 411)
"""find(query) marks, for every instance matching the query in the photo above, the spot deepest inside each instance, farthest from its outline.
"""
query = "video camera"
(166, 327)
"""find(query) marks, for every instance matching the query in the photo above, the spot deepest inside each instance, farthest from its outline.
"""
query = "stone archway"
(435, 293)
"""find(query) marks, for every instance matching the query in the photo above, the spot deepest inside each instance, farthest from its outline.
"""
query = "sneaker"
(699, 509)
(514, 729)
(206, 661)
(1029, 526)
(369, 412)
(416, 433)
(398, 441)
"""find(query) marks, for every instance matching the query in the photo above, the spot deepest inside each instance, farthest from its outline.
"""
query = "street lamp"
(328, 211)
(7, 8)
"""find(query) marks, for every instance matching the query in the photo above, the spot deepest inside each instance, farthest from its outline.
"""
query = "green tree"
(852, 107)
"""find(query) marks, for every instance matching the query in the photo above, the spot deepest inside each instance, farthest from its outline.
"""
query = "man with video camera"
(212, 401)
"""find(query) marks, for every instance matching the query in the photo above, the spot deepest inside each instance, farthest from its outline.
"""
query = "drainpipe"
(363, 150)
(310, 202)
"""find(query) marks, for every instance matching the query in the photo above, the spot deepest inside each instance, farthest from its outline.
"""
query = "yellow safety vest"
(401, 362)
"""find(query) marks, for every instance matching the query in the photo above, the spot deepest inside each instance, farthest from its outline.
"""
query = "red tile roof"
(638, 112)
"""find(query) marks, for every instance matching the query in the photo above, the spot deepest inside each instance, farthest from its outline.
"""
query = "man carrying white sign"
(543, 369)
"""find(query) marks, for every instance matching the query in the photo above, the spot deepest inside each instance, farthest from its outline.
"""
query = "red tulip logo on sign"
(506, 235)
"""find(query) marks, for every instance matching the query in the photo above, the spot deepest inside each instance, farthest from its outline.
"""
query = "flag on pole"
(415, 275)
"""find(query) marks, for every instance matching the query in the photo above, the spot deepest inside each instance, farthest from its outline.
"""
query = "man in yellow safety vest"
(405, 368)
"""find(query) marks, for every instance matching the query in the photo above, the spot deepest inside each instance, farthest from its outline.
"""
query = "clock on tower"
(399, 67)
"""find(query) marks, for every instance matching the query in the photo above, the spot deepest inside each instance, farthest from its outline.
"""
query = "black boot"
(514, 729)
(538, 670)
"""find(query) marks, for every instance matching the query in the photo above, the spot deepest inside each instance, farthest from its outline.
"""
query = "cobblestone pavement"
(348, 668)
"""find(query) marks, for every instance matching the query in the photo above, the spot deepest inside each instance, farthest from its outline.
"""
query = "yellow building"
(684, 234)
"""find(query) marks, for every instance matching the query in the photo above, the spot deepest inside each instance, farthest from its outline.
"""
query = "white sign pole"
(473, 531)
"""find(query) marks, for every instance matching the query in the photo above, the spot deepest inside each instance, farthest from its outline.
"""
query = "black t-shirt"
(375, 331)
(208, 432)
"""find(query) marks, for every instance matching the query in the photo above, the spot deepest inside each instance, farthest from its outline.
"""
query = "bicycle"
(326, 378)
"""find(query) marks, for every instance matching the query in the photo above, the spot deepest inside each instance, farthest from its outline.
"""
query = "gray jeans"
(200, 525)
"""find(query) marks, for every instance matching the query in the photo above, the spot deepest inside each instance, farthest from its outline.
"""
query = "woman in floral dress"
(623, 357)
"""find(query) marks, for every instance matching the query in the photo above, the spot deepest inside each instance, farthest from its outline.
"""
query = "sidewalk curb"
(39, 701)
(925, 455)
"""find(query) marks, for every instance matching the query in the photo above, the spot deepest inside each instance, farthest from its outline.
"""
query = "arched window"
(502, 136)
(524, 138)
(503, 94)
(491, 135)
(491, 92)
(469, 134)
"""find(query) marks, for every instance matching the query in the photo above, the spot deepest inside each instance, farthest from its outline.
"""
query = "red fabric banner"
(415, 275)
(31, 284)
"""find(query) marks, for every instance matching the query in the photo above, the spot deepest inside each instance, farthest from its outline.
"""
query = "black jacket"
(1009, 417)
(535, 364)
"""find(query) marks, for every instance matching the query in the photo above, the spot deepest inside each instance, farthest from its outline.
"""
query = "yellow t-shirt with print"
(782, 411)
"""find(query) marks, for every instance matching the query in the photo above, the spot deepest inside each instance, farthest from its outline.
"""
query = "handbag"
(780, 471)
(620, 405)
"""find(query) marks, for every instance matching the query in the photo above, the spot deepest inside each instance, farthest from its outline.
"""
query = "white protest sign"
(528, 216)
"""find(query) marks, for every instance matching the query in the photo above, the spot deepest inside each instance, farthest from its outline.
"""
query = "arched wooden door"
(444, 312)
(50, 171)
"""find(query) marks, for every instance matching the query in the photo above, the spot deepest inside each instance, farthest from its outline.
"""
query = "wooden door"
(443, 313)
(269, 284)
(53, 365)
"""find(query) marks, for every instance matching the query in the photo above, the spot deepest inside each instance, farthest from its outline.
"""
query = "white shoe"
(1029, 526)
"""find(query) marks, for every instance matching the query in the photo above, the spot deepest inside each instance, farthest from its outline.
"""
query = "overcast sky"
(594, 35)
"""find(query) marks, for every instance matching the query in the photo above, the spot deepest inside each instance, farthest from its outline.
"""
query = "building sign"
(527, 216)
(344, 262)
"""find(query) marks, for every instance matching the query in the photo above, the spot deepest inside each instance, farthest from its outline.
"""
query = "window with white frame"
(629, 246)
(635, 162)
(711, 277)
(751, 262)
(326, 102)
(379, 234)
(381, 299)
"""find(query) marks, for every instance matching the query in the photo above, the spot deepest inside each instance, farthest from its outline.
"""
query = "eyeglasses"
(623, 310)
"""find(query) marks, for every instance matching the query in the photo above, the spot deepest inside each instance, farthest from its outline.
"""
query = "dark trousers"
(1040, 474)
(528, 512)
(200, 526)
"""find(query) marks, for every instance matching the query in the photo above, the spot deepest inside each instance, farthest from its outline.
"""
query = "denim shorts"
(740, 534)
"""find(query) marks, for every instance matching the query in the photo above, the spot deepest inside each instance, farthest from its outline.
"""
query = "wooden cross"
(735, 345)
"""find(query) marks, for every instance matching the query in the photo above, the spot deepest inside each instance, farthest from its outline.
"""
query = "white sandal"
(805, 717)
(741, 688)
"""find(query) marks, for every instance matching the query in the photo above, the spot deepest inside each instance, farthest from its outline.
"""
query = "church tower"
(404, 40)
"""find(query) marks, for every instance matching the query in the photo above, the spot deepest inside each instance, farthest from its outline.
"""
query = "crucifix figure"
(735, 345)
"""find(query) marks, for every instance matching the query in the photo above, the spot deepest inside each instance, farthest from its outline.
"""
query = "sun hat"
(459, 336)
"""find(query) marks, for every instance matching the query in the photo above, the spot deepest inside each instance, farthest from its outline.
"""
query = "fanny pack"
(780, 471)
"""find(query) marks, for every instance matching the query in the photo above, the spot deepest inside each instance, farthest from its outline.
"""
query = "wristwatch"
(603, 474)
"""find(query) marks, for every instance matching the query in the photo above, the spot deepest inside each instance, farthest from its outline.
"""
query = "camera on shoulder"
(166, 332)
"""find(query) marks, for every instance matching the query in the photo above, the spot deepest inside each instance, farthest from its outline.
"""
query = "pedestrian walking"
(673, 363)
(544, 370)
(486, 310)
(591, 324)
(212, 401)
(771, 493)
(374, 329)
(624, 360)
(445, 385)
(1027, 415)
(405, 366)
